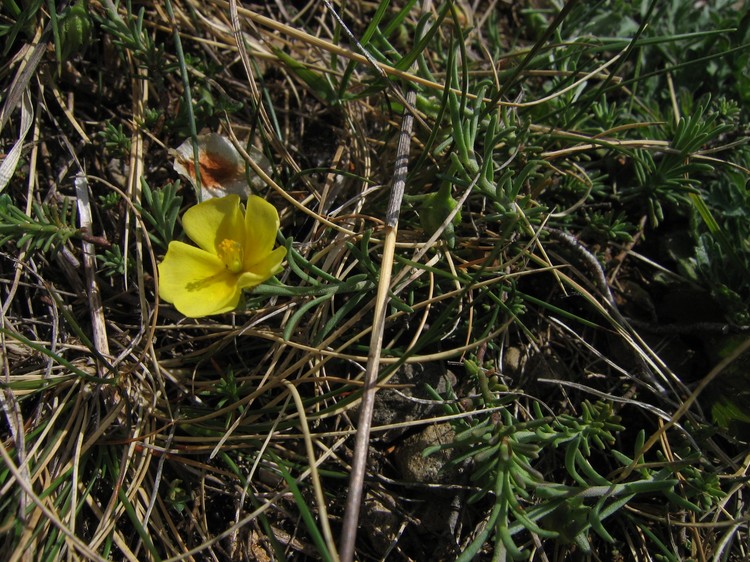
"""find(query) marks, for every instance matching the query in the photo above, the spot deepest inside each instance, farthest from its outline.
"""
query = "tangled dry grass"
(133, 433)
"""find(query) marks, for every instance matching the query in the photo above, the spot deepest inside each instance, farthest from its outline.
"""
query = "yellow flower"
(235, 252)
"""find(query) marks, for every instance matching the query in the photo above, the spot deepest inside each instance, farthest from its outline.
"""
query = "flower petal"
(261, 225)
(222, 168)
(197, 282)
(263, 270)
(212, 221)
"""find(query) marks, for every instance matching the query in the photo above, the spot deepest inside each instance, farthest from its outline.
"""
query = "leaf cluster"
(160, 210)
(46, 229)
(503, 451)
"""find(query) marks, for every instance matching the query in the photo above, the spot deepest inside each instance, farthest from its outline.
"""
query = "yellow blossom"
(235, 252)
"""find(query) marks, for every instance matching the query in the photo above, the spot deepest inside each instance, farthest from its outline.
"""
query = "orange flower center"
(230, 252)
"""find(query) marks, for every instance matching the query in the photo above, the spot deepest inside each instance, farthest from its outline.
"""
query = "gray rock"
(433, 469)
(411, 402)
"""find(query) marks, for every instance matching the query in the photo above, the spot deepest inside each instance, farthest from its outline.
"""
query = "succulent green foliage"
(19, 18)
(48, 227)
(130, 36)
(726, 411)
(504, 451)
(113, 262)
(435, 210)
(609, 225)
(160, 210)
(74, 31)
(177, 496)
(110, 201)
(673, 177)
(318, 83)
(722, 258)
(116, 139)
(729, 395)
(227, 388)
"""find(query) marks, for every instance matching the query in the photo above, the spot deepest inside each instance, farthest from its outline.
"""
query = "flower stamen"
(231, 253)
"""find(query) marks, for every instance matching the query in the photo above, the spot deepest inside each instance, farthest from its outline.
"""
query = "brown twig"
(361, 444)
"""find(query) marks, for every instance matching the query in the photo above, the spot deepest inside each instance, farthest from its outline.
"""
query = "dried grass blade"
(98, 325)
(359, 464)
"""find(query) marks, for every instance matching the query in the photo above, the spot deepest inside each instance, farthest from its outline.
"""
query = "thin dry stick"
(140, 90)
(98, 324)
(359, 464)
